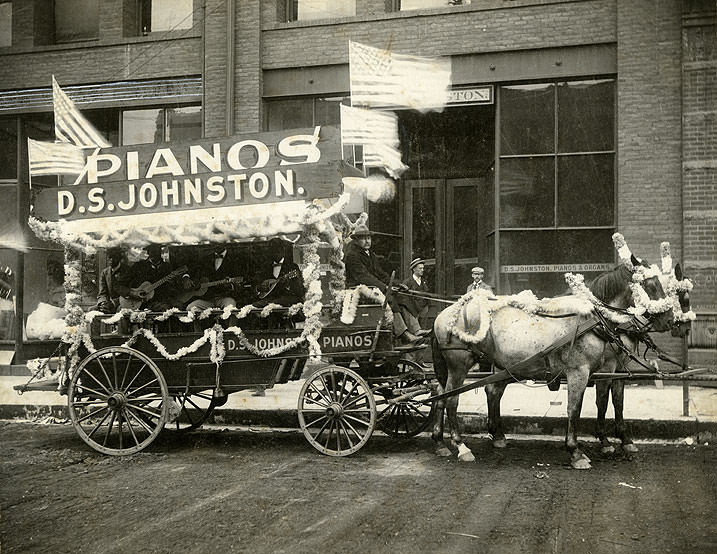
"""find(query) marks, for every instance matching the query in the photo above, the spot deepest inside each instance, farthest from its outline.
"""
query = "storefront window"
(184, 123)
(5, 24)
(142, 126)
(76, 20)
(304, 10)
(557, 173)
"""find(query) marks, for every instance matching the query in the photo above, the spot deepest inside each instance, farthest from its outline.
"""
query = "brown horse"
(616, 363)
(514, 335)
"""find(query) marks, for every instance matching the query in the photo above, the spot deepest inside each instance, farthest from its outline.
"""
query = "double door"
(445, 222)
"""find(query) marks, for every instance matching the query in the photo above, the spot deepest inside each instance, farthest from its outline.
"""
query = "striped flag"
(384, 156)
(70, 125)
(384, 79)
(55, 158)
(360, 126)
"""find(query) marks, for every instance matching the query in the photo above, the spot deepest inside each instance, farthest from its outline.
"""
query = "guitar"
(146, 290)
(204, 286)
(268, 286)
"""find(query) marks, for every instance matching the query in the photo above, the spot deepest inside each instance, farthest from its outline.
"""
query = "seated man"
(145, 275)
(224, 270)
(412, 307)
(278, 278)
(362, 267)
(114, 281)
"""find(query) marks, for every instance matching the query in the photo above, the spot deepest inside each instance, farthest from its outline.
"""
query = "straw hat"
(416, 261)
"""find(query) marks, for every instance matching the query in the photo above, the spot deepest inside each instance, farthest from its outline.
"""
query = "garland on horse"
(519, 337)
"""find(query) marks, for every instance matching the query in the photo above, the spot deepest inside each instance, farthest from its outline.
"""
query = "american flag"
(385, 157)
(70, 125)
(360, 126)
(55, 158)
(384, 79)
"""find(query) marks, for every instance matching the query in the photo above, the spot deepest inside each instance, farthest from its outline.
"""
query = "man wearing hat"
(362, 268)
(412, 307)
(478, 284)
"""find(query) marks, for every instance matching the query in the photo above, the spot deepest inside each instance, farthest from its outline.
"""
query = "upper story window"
(76, 20)
(305, 10)
(5, 24)
(164, 15)
(405, 5)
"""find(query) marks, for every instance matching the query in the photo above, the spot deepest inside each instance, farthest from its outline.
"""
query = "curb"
(472, 424)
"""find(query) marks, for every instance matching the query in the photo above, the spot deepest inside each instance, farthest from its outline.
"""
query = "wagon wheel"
(190, 410)
(118, 400)
(409, 417)
(337, 412)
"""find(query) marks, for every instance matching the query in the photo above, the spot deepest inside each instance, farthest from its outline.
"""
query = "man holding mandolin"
(153, 283)
(216, 280)
(278, 279)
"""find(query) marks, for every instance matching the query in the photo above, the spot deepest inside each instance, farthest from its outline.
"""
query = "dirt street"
(270, 492)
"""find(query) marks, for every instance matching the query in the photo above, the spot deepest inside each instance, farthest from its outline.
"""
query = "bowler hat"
(361, 231)
(416, 261)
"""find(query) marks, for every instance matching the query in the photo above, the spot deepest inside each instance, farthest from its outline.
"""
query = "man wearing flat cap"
(414, 308)
(362, 268)
(478, 283)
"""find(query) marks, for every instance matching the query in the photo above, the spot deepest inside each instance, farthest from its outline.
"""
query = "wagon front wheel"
(189, 411)
(337, 411)
(409, 417)
(117, 399)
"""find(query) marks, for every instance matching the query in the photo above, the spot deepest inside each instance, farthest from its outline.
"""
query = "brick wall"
(465, 29)
(247, 107)
(215, 62)
(699, 166)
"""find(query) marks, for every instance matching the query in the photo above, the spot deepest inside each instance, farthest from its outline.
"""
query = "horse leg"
(455, 380)
(440, 367)
(577, 382)
(494, 393)
(618, 398)
(602, 394)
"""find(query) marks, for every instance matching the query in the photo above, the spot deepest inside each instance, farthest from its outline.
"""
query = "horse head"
(653, 304)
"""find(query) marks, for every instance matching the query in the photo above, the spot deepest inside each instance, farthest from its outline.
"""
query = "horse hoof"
(500, 443)
(582, 463)
(443, 451)
(630, 448)
(466, 457)
(608, 449)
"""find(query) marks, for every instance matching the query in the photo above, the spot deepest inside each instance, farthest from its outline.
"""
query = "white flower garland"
(351, 300)
(576, 282)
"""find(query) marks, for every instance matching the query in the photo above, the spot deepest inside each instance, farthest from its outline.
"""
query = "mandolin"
(268, 286)
(145, 291)
(204, 286)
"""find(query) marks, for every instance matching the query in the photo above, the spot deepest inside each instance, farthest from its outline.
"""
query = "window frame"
(55, 39)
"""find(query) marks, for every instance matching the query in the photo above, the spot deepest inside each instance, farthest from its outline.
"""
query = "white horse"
(462, 336)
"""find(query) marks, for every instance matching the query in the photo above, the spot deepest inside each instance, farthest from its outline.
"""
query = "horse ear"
(634, 261)
(678, 272)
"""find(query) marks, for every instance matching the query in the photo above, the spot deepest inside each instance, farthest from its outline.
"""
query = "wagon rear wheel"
(189, 411)
(117, 399)
(409, 417)
(337, 411)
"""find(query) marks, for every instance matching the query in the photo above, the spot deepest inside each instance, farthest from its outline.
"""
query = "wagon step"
(46, 385)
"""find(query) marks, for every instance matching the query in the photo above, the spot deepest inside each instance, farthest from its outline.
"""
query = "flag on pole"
(384, 156)
(70, 125)
(55, 158)
(384, 79)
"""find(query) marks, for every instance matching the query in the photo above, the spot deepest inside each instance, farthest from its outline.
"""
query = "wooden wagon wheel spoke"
(194, 409)
(135, 404)
(337, 411)
(411, 417)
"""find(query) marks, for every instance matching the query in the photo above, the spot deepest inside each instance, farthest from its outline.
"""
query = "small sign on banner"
(471, 96)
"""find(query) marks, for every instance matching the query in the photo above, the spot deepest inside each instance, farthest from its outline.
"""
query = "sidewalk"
(652, 411)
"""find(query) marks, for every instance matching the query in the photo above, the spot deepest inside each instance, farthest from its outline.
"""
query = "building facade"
(569, 120)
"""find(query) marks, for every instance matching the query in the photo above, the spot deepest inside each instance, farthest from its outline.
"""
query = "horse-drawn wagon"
(130, 374)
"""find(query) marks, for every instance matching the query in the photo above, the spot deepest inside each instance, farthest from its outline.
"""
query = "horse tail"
(440, 368)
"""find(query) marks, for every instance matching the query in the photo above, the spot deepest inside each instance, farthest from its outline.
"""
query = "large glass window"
(154, 125)
(76, 20)
(304, 10)
(5, 24)
(556, 182)
(164, 15)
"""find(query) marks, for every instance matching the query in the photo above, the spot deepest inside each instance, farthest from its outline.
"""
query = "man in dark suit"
(362, 267)
(278, 279)
(114, 281)
(217, 264)
(413, 308)
(151, 270)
